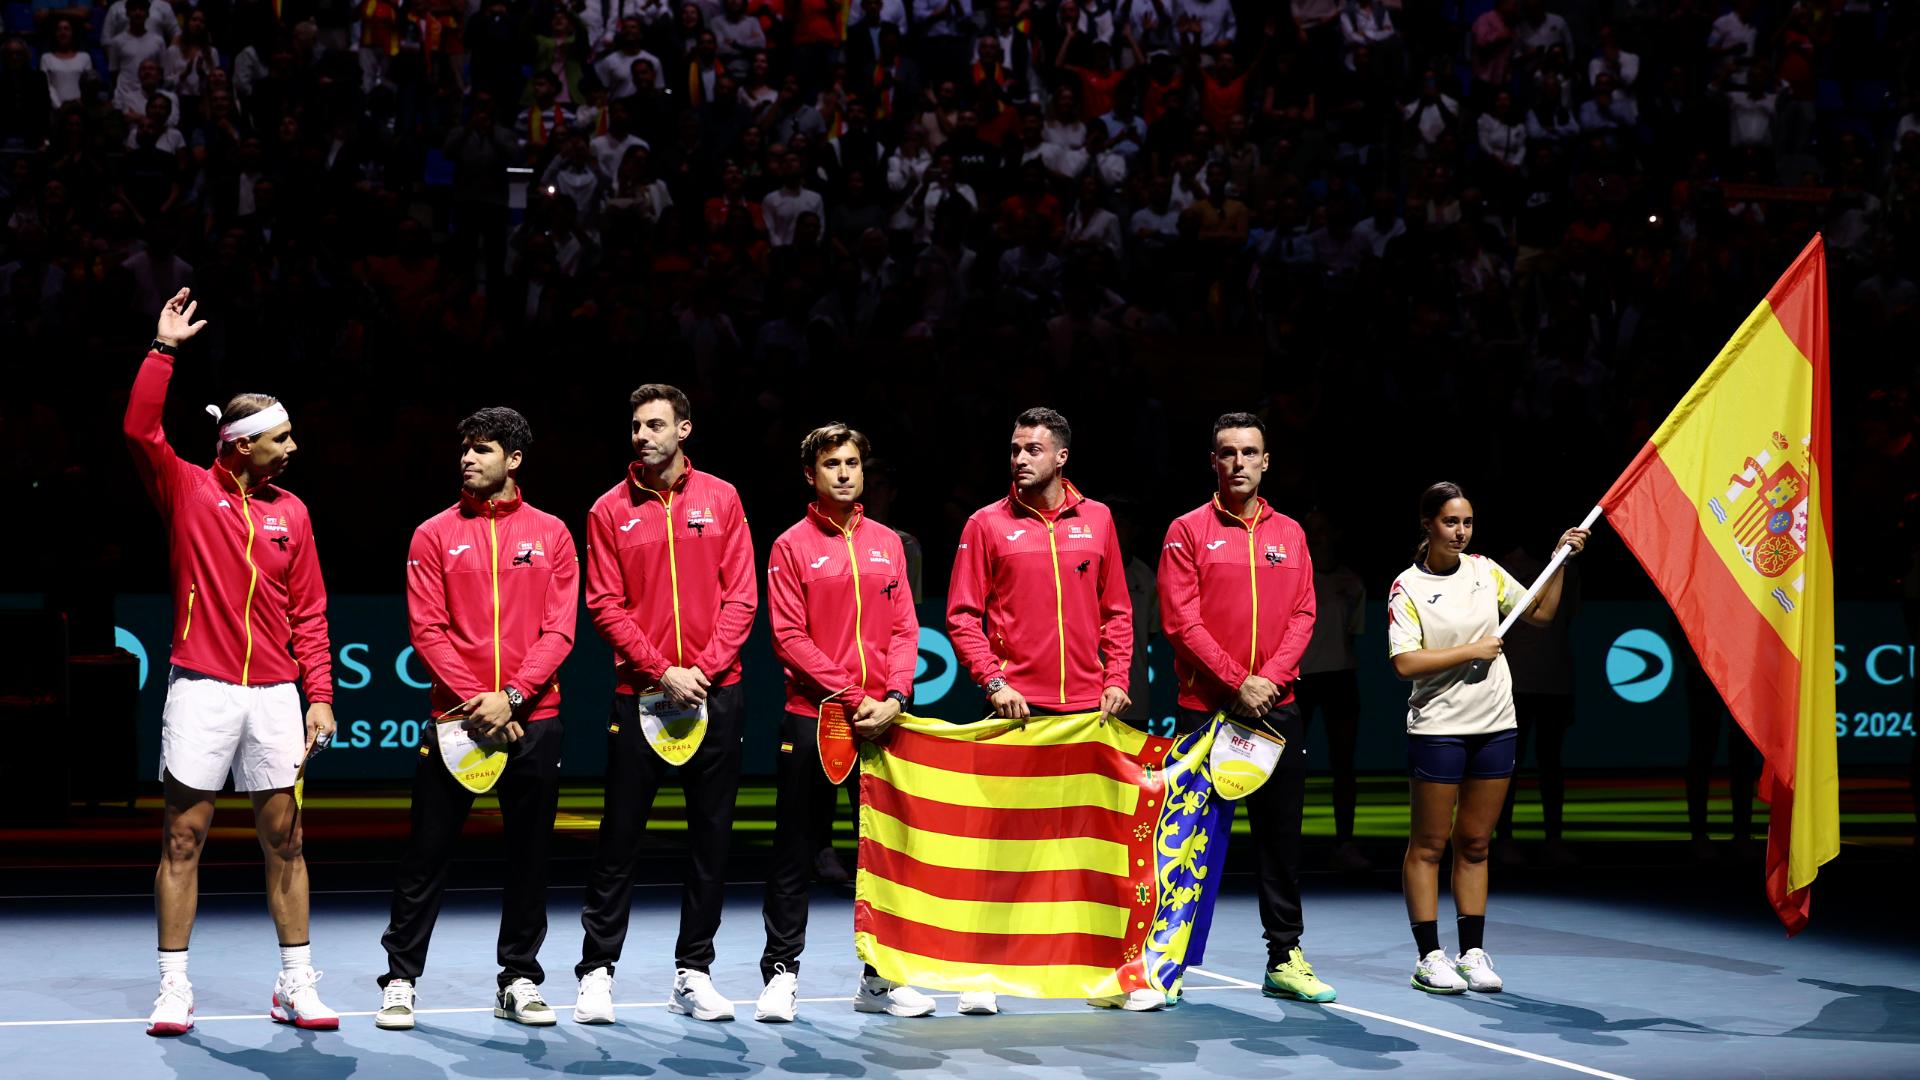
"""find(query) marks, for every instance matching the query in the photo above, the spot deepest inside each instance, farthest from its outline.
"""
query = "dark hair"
(1431, 500)
(682, 409)
(1229, 421)
(1041, 416)
(498, 424)
(831, 436)
(238, 406)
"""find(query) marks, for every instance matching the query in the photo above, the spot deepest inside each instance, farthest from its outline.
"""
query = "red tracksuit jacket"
(493, 592)
(842, 614)
(249, 606)
(670, 579)
(1236, 598)
(1042, 601)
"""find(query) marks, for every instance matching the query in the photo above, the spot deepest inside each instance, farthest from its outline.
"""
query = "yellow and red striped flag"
(1730, 509)
(1061, 856)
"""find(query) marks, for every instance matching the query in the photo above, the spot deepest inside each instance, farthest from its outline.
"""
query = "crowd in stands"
(1487, 241)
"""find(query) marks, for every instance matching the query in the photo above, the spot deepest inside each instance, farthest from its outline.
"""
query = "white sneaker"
(878, 995)
(594, 1004)
(694, 995)
(777, 1004)
(520, 1002)
(296, 1002)
(979, 1003)
(1476, 967)
(396, 1006)
(1144, 999)
(173, 1009)
(1435, 975)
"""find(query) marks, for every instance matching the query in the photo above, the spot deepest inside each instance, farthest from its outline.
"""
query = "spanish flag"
(1730, 509)
(1060, 856)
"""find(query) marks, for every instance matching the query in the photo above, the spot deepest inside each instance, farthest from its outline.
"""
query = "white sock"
(173, 962)
(295, 957)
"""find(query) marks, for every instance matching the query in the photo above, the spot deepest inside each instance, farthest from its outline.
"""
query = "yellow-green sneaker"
(1294, 978)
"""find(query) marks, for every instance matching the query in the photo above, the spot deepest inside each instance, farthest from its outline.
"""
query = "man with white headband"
(250, 617)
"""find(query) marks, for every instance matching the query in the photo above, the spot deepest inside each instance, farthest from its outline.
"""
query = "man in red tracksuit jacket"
(1037, 606)
(250, 618)
(670, 584)
(493, 593)
(845, 628)
(1236, 602)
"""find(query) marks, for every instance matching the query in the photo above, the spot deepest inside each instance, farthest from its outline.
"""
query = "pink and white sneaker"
(173, 1009)
(296, 1002)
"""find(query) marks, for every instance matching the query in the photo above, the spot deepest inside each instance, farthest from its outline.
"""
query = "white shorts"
(210, 727)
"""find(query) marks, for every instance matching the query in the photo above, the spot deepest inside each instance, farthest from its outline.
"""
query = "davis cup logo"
(1639, 666)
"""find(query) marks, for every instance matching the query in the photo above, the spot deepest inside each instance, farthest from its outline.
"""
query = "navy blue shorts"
(1449, 759)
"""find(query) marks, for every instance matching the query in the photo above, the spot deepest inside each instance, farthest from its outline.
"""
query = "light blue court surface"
(1598, 987)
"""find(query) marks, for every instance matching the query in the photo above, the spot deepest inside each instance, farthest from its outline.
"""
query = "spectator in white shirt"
(1156, 224)
(1550, 120)
(1104, 162)
(1503, 137)
(602, 18)
(1379, 228)
(1433, 113)
(1366, 24)
(1612, 59)
(576, 175)
(783, 206)
(160, 18)
(1090, 224)
(125, 53)
(67, 65)
(149, 82)
(938, 185)
(736, 32)
(1607, 109)
(1540, 30)
(1209, 24)
(616, 68)
(610, 147)
(1752, 107)
(906, 167)
(1734, 35)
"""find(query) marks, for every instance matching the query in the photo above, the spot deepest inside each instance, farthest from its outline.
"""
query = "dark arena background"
(1491, 243)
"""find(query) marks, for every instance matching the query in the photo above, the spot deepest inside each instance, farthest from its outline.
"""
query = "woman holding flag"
(1443, 614)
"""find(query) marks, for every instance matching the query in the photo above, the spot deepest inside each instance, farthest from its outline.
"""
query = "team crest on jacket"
(1276, 554)
(699, 518)
(1770, 527)
(274, 524)
(1079, 532)
(878, 556)
(529, 550)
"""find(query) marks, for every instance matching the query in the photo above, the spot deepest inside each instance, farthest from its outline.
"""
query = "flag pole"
(1477, 670)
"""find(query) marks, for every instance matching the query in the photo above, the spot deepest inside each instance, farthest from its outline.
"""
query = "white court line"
(1442, 1032)
(842, 999)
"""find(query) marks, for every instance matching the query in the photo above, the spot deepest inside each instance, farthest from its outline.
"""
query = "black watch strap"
(162, 348)
(896, 695)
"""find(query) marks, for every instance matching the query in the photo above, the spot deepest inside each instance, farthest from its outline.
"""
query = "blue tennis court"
(1608, 974)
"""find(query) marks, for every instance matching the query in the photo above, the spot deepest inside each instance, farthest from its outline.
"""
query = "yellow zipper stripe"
(859, 639)
(673, 575)
(493, 537)
(1059, 612)
(253, 579)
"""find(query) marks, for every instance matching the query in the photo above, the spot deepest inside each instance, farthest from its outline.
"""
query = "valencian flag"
(1059, 856)
(1730, 509)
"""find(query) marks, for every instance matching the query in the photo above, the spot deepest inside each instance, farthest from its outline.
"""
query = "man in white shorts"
(250, 617)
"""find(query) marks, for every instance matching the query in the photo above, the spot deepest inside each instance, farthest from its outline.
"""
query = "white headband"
(250, 425)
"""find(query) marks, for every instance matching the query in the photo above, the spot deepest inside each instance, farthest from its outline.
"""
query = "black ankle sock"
(1426, 936)
(1473, 932)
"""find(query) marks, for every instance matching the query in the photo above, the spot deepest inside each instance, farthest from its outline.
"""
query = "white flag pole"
(1477, 670)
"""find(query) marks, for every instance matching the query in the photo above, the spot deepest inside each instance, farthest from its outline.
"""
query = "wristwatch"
(897, 696)
(994, 685)
(515, 698)
(162, 348)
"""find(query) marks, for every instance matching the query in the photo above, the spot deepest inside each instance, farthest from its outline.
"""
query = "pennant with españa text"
(1730, 509)
(1059, 856)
